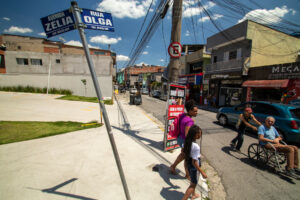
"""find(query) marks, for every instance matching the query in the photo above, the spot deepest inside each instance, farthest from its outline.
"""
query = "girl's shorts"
(194, 173)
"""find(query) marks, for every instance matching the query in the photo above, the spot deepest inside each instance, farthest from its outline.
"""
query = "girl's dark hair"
(189, 105)
(189, 139)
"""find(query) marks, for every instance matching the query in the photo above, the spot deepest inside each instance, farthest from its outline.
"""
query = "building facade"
(27, 57)
(239, 51)
(192, 67)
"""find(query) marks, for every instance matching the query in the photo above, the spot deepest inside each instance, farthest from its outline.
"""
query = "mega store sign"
(279, 71)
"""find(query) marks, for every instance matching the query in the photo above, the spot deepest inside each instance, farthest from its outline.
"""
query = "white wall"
(71, 82)
(69, 63)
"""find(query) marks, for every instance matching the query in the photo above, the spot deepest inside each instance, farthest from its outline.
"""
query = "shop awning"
(267, 83)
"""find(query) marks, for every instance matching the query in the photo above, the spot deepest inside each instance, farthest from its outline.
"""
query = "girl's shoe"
(232, 145)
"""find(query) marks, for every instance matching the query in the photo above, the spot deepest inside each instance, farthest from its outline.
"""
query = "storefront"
(194, 85)
(275, 83)
(225, 89)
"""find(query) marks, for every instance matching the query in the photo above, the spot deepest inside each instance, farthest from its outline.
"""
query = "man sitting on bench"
(267, 135)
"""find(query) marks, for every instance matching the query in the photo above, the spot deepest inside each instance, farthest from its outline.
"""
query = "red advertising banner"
(175, 106)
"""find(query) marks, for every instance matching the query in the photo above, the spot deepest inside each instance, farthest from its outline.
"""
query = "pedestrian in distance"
(268, 137)
(193, 159)
(185, 123)
(241, 126)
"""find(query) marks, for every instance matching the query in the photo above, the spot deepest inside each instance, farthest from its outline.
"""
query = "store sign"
(175, 105)
(280, 71)
(223, 76)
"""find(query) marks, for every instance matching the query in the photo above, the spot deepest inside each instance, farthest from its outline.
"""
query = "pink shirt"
(184, 122)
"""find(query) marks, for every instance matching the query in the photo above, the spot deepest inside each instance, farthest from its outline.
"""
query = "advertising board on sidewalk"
(175, 106)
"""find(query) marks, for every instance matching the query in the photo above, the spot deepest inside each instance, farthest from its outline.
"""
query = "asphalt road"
(241, 178)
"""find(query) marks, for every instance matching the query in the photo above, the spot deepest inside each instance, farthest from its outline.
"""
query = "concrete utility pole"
(173, 71)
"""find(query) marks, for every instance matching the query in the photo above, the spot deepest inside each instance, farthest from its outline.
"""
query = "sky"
(23, 18)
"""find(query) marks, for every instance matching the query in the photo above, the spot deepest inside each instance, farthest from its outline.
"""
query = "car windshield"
(295, 113)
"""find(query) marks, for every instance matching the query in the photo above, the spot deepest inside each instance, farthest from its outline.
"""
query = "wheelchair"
(263, 156)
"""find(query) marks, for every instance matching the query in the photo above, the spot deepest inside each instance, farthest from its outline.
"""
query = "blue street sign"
(58, 23)
(97, 20)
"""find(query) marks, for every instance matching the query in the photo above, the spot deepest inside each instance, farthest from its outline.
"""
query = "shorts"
(194, 173)
(180, 141)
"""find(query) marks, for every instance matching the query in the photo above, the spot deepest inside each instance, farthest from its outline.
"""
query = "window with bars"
(22, 61)
(36, 61)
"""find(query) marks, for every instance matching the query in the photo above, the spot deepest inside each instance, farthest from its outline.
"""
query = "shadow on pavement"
(162, 169)
(260, 166)
(53, 191)
(169, 194)
(154, 144)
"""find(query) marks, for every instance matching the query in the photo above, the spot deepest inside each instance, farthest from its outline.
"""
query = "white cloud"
(187, 33)
(6, 18)
(122, 58)
(145, 52)
(125, 8)
(15, 29)
(147, 46)
(214, 17)
(103, 39)
(162, 60)
(189, 11)
(79, 44)
(42, 34)
(265, 16)
(141, 64)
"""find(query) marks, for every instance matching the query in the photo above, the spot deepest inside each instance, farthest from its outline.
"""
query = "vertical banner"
(175, 106)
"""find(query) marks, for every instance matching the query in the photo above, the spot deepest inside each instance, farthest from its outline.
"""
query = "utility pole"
(173, 71)
(80, 26)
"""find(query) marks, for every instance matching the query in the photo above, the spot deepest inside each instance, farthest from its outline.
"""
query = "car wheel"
(223, 120)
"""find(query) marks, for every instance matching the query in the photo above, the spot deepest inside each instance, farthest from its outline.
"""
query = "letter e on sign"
(175, 49)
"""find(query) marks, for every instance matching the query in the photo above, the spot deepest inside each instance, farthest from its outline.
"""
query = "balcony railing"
(225, 66)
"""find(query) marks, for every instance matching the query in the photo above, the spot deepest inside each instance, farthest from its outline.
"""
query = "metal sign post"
(80, 27)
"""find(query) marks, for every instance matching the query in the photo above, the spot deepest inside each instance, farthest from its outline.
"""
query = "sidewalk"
(80, 165)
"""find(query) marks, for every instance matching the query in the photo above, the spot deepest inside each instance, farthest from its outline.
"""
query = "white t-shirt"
(195, 151)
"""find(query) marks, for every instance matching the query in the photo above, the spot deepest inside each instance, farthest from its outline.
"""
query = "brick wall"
(51, 50)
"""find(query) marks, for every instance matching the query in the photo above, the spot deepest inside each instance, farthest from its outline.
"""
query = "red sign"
(175, 103)
(175, 49)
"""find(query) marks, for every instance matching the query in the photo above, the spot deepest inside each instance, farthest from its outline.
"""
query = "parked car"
(295, 102)
(287, 117)
(145, 91)
(156, 93)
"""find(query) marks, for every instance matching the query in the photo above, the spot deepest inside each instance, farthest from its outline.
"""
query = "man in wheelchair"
(269, 138)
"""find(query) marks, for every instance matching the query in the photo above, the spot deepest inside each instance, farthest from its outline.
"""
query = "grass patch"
(30, 89)
(86, 99)
(16, 131)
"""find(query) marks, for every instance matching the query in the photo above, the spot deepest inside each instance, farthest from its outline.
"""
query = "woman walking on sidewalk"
(242, 124)
(185, 123)
(192, 151)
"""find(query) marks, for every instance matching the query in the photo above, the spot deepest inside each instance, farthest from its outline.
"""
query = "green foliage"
(86, 99)
(155, 84)
(31, 89)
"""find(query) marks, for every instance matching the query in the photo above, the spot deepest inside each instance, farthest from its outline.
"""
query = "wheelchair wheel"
(281, 158)
(257, 154)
